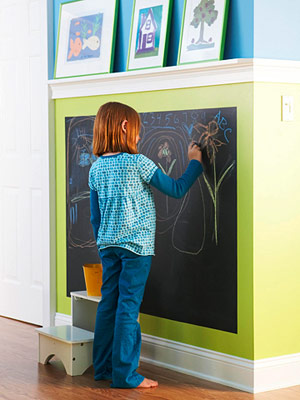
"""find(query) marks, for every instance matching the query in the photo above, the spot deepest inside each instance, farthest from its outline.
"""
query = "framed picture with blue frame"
(86, 38)
(149, 34)
(203, 31)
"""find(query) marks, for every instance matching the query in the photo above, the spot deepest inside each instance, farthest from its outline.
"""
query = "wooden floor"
(22, 377)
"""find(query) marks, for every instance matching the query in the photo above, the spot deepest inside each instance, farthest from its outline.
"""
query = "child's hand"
(194, 152)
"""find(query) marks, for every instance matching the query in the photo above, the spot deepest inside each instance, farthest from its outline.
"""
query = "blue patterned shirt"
(126, 203)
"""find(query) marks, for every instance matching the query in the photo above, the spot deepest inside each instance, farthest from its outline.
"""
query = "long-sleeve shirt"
(122, 204)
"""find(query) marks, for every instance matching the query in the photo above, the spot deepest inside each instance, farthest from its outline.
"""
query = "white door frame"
(49, 271)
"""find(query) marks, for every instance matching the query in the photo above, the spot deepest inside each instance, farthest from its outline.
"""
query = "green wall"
(276, 222)
(237, 95)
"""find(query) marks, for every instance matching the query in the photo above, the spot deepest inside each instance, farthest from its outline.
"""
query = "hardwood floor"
(22, 377)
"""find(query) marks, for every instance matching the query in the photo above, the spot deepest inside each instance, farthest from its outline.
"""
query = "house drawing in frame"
(149, 34)
(146, 34)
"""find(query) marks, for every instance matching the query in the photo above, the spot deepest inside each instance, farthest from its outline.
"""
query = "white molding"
(277, 372)
(183, 76)
(49, 266)
(276, 71)
(62, 319)
(240, 373)
(250, 376)
(202, 363)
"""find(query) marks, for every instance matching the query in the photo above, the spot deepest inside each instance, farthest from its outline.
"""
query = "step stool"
(72, 345)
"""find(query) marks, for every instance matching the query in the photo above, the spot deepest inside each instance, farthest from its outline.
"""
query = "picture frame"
(203, 31)
(149, 34)
(86, 38)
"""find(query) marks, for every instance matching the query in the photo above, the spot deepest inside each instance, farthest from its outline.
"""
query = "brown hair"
(108, 134)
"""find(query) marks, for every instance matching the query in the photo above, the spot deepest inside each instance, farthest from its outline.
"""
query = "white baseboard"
(277, 373)
(240, 373)
(62, 319)
(202, 363)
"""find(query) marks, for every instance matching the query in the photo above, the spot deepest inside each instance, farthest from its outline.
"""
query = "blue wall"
(123, 33)
(277, 29)
(175, 30)
(240, 29)
(239, 39)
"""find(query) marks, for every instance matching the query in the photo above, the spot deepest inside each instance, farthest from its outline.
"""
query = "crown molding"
(184, 76)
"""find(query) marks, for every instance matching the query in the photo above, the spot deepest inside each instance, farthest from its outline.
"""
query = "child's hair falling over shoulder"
(116, 129)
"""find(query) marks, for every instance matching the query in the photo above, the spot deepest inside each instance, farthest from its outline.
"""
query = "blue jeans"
(117, 341)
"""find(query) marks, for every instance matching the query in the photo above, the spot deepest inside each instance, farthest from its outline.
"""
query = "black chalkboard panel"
(193, 276)
(81, 246)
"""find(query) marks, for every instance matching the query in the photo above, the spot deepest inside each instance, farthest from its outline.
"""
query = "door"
(24, 182)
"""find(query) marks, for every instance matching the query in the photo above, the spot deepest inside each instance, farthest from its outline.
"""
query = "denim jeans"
(117, 341)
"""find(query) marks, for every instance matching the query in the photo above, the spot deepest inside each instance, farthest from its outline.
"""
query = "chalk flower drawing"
(209, 142)
(164, 152)
(208, 139)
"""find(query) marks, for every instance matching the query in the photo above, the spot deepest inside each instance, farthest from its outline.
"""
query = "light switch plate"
(287, 108)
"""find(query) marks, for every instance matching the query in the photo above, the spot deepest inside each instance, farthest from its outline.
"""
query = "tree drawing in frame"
(204, 13)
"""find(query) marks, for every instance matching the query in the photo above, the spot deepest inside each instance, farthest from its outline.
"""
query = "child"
(123, 220)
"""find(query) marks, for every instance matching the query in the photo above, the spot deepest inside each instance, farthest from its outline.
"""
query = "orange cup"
(93, 279)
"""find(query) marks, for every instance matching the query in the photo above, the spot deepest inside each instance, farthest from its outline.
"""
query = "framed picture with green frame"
(203, 31)
(86, 38)
(149, 34)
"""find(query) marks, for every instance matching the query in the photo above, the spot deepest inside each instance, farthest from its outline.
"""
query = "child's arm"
(95, 212)
(177, 188)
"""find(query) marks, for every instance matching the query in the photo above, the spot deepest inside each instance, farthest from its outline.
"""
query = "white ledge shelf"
(192, 75)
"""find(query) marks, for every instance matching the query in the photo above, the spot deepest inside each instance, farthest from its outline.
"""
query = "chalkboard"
(81, 246)
(193, 277)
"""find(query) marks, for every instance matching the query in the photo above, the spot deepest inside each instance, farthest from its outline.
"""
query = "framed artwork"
(86, 38)
(149, 34)
(203, 31)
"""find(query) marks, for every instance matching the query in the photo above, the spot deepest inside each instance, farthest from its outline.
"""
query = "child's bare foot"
(148, 383)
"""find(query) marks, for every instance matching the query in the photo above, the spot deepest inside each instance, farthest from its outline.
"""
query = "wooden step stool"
(72, 345)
